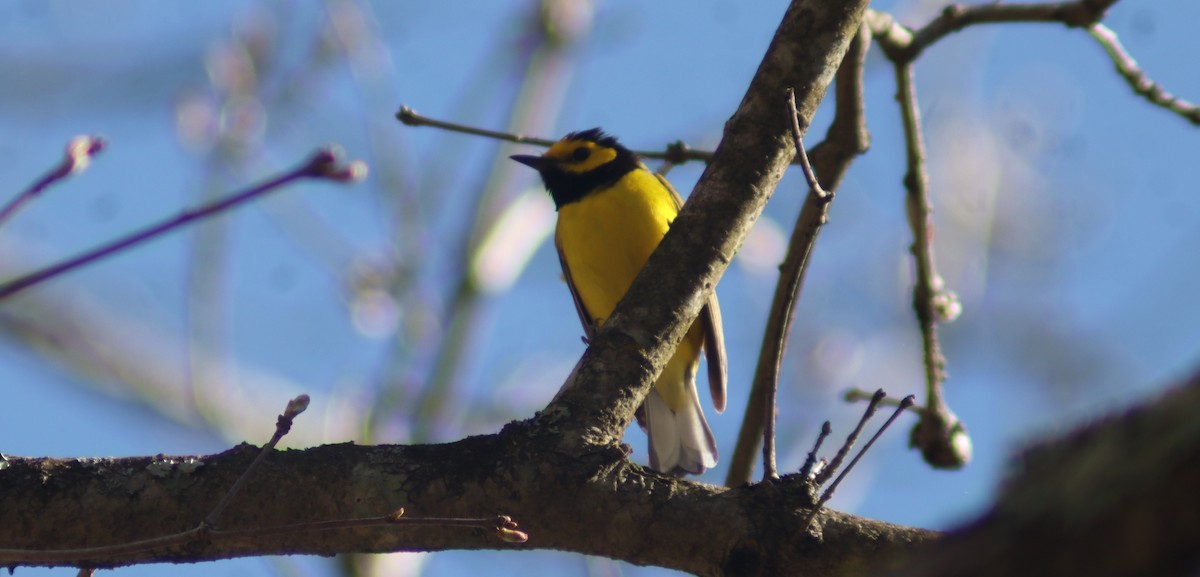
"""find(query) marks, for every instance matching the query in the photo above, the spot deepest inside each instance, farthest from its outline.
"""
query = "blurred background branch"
(355, 298)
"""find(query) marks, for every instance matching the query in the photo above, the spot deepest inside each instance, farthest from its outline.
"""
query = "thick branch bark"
(624, 358)
(1124, 489)
(1117, 497)
(563, 476)
(601, 505)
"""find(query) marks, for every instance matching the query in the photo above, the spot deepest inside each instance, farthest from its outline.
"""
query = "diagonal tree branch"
(846, 138)
(563, 475)
(80, 151)
(1141, 84)
(599, 399)
(325, 164)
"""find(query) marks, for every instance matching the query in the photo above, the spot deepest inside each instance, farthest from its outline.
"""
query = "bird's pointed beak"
(538, 163)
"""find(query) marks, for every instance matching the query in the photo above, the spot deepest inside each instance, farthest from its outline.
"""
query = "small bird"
(612, 213)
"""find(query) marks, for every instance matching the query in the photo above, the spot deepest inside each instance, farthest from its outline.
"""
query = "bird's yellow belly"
(606, 238)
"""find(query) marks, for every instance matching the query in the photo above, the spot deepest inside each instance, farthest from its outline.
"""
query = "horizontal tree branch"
(600, 505)
(904, 45)
(1116, 497)
(563, 476)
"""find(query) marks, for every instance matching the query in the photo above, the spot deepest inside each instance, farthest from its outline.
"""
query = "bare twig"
(505, 528)
(324, 164)
(1128, 68)
(410, 117)
(770, 469)
(282, 425)
(903, 405)
(78, 155)
(814, 185)
(504, 525)
(846, 138)
(904, 45)
(942, 438)
(931, 302)
(855, 394)
(834, 464)
(675, 153)
(806, 470)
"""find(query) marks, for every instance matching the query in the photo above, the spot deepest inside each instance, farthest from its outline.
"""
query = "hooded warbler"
(612, 213)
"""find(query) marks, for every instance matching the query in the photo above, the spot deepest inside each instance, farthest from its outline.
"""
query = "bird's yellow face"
(580, 156)
(581, 163)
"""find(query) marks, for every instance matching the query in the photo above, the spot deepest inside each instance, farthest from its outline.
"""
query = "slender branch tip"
(76, 159)
(296, 406)
(327, 163)
(80, 151)
(801, 154)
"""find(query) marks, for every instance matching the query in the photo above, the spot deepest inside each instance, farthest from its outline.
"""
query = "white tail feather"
(679, 442)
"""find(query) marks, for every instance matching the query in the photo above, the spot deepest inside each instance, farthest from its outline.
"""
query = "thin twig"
(769, 468)
(410, 117)
(852, 438)
(814, 185)
(282, 425)
(904, 404)
(940, 435)
(506, 530)
(676, 152)
(770, 404)
(806, 471)
(846, 138)
(942, 438)
(855, 394)
(903, 45)
(324, 164)
(79, 153)
(1141, 84)
(395, 518)
(928, 286)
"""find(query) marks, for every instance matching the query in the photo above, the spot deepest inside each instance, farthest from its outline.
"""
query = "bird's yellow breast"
(607, 236)
(605, 239)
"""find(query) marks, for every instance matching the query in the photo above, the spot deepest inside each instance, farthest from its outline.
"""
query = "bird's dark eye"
(581, 154)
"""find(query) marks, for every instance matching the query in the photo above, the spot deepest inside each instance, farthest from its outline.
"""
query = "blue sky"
(1066, 212)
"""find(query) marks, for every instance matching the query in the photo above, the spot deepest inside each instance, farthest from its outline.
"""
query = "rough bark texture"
(563, 475)
(599, 505)
(1126, 490)
(1117, 497)
(756, 149)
